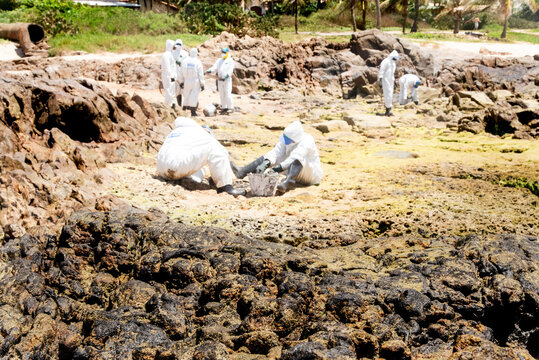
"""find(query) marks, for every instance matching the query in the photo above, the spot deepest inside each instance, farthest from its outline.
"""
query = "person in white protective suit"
(179, 55)
(187, 149)
(408, 82)
(295, 153)
(191, 78)
(169, 74)
(224, 67)
(386, 78)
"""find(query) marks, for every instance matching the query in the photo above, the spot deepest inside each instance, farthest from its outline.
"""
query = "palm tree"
(506, 7)
(416, 16)
(378, 15)
(405, 9)
(352, 5)
(458, 8)
(296, 4)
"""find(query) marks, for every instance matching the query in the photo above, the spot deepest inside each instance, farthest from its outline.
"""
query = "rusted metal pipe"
(26, 34)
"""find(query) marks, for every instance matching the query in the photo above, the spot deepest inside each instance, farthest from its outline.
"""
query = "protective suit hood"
(394, 54)
(179, 43)
(294, 131)
(193, 52)
(169, 44)
(184, 122)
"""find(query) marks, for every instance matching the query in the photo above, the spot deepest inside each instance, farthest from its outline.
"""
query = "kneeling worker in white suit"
(407, 82)
(187, 149)
(191, 78)
(295, 153)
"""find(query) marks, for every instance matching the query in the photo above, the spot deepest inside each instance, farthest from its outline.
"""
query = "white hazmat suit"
(179, 55)
(224, 67)
(387, 78)
(169, 74)
(192, 77)
(187, 149)
(303, 149)
(407, 82)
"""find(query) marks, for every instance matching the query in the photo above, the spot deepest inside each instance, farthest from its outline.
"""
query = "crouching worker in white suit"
(295, 153)
(187, 149)
(406, 83)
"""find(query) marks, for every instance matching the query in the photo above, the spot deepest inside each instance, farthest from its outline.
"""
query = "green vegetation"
(118, 43)
(76, 27)
(531, 185)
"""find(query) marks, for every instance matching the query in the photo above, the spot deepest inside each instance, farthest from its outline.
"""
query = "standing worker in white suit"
(191, 78)
(408, 82)
(295, 153)
(179, 55)
(386, 78)
(224, 67)
(169, 74)
(187, 149)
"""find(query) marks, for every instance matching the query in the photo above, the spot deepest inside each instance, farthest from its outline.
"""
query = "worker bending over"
(187, 149)
(406, 83)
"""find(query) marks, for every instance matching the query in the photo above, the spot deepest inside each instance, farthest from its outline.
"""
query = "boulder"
(332, 125)
(366, 121)
(477, 96)
(426, 94)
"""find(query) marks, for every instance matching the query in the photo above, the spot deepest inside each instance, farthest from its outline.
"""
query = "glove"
(225, 77)
(207, 71)
(380, 82)
(181, 86)
(201, 87)
(277, 168)
(416, 102)
(172, 80)
(262, 167)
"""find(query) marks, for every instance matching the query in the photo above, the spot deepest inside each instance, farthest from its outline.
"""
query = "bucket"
(263, 184)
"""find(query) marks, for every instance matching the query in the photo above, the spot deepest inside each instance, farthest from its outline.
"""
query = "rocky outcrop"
(50, 162)
(134, 283)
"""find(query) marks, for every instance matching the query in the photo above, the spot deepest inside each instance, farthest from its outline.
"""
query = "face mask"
(287, 140)
(224, 55)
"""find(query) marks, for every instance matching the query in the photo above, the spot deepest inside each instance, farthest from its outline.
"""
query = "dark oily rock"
(396, 154)
(133, 282)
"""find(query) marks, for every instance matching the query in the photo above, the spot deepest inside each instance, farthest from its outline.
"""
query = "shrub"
(202, 18)
(8, 4)
(53, 15)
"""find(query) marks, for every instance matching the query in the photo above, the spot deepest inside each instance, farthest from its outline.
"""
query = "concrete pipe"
(25, 34)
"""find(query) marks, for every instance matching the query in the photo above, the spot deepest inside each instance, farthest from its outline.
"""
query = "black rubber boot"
(229, 189)
(289, 182)
(240, 173)
(193, 111)
(388, 112)
(179, 98)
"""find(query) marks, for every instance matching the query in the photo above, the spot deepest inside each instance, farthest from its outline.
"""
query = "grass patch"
(524, 183)
(101, 42)
(495, 31)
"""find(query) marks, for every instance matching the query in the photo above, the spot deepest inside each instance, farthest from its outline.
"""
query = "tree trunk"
(353, 14)
(504, 32)
(405, 16)
(296, 16)
(364, 14)
(378, 15)
(416, 16)
(457, 24)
